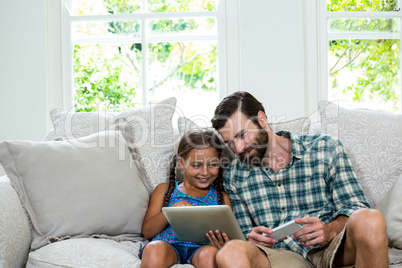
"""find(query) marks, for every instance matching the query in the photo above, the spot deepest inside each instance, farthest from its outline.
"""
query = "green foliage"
(178, 5)
(98, 82)
(112, 77)
(160, 51)
(201, 72)
(122, 6)
(362, 5)
(374, 62)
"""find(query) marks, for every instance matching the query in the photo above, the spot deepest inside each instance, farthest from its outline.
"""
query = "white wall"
(23, 111)
(272, 55)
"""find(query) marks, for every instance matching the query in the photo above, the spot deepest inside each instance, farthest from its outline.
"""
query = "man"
(279, 177)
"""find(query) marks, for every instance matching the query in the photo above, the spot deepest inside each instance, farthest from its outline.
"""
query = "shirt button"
(279, 185)
(283, 208)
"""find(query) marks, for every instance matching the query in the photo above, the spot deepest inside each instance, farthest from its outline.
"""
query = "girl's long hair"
(196, 139)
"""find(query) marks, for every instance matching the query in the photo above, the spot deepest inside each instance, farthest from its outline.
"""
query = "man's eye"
(242, 134)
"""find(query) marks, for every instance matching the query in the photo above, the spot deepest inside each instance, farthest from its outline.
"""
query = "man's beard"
(260, 145)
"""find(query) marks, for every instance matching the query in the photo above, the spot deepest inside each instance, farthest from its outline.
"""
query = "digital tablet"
(192, 223)
(284, 230)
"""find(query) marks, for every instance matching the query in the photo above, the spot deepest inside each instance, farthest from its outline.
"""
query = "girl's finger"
(209, 238)
(213, 236)
(219, 236)
(225, 237)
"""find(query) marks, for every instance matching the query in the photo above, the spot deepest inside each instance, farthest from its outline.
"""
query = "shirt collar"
(298, 148)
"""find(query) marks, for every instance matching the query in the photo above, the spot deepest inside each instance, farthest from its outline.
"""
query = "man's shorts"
(317, 258)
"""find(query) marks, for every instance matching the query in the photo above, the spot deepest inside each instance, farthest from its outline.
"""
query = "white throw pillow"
(373, 141)
(391, 208)
(77, 188)
(298, 126)
(153, 134)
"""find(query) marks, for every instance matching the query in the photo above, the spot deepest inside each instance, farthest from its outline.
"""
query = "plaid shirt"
(319, 181)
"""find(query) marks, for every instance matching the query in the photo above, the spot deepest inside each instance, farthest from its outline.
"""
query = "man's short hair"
(241, 101)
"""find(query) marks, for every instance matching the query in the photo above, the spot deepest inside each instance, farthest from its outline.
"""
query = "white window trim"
(60, 72)
(316, 47)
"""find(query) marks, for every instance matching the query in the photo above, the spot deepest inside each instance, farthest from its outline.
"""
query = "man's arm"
(347, 197)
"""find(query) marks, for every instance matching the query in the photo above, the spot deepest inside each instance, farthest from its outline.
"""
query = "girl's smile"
(202, 168)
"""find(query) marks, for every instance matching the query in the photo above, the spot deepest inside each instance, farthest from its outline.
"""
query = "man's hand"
(315, 232)
(256, 236)
(217, 239)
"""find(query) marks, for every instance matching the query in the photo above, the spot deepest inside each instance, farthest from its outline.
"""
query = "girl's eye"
(214, 165)
(196, 166)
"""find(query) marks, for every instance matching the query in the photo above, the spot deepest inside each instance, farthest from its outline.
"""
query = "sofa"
(78, 197)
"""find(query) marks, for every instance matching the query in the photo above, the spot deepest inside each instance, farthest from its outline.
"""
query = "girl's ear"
(181, 162)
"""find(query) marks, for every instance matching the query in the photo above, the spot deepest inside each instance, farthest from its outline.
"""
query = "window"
(128, 53)
(360, 42)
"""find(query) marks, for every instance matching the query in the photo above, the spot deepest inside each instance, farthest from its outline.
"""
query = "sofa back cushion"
(374, 142)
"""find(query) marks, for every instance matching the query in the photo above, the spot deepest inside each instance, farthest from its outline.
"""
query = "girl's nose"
(204, 170)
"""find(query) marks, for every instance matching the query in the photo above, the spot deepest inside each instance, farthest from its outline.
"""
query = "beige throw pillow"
(153, 134)
(77, 188)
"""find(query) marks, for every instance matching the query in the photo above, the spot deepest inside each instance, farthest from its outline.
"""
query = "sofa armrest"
(15, 232)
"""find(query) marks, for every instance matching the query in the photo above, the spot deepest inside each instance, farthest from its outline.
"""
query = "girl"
(199, 154)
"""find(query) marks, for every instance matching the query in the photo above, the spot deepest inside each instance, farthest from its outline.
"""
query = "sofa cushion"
(298, 126)
(77, 188)
(374, 142)
(391, 208)
(86, 252)
(91, 253)
(153, 134)
(15, 234)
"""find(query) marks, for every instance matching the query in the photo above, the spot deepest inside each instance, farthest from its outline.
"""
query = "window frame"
(316, 48)
(317, 43)
(60, 66)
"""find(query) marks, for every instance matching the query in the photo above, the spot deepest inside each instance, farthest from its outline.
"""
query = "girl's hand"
(217, 239)
(182, 204)
(257, 236)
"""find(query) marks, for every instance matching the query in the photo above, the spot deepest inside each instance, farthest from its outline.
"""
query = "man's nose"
(239, 146)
